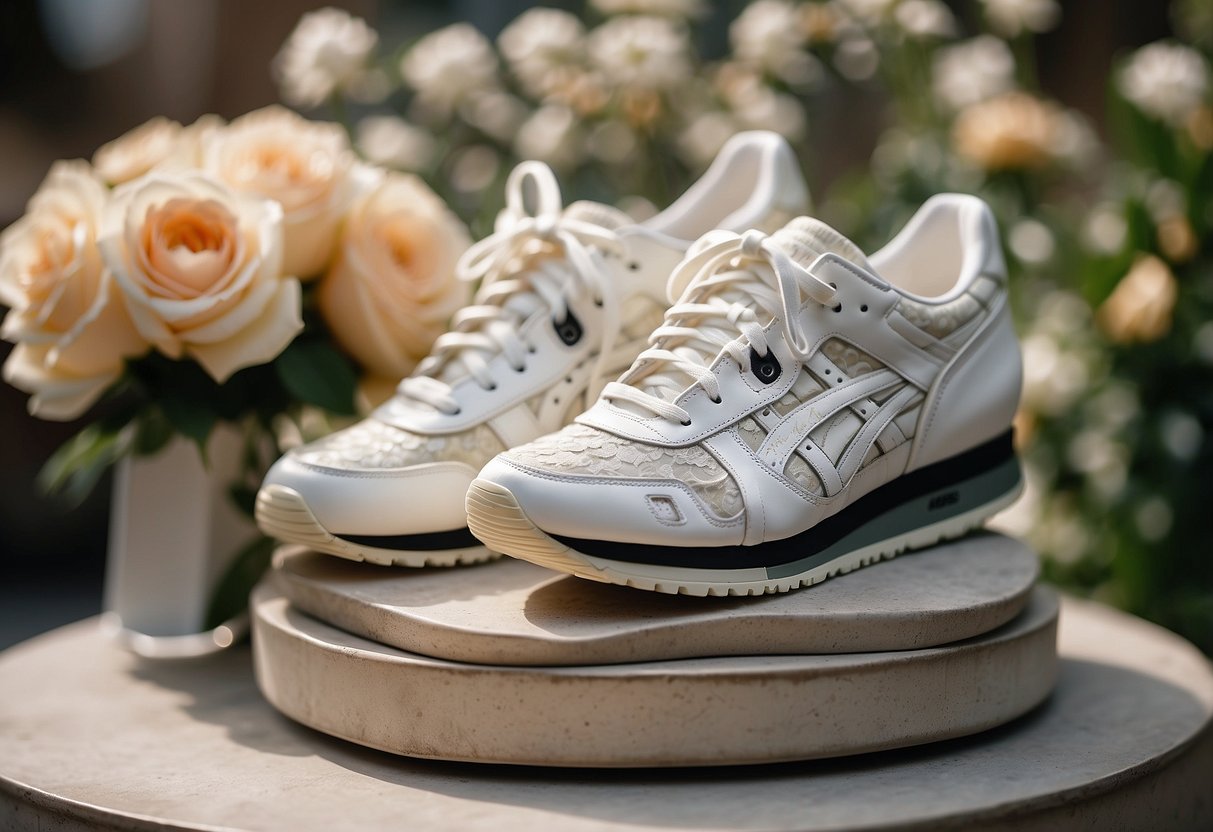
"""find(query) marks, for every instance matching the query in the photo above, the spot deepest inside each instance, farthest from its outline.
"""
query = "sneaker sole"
(495, 517)
(284, 515)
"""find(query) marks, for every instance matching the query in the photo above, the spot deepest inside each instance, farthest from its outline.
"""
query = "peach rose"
(200, 267)
(71, 329)
(392, 287)
(306, 166)
(1015, 131)
(156, 144)
(1139, 308)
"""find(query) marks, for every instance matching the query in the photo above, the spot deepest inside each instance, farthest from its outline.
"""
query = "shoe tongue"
(521, 306)
(598, 214)
(804, 239)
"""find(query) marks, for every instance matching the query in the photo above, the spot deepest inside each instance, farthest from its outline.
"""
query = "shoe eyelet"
(491, 388)
(765, 368)
(686, 424)
(716, 400)
(863, 308)
(827, 372)
(634, 265)
(838, 307)
(521, 369)
(598, 302)
(569, 330)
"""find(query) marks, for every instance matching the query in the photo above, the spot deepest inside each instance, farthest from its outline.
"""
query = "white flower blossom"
(446, 66)
(539, 44)
(870, 12)
(642, 51)
(394, 143)
(925, 19)
(553, 135)
(768, 34)
(1165, 80)
(972, 71)
(667, 8)
(327, 52)
(1012, 17)
(497, 113)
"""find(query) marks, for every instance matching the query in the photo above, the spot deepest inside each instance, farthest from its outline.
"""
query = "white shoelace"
(534, 259)
(716, 313)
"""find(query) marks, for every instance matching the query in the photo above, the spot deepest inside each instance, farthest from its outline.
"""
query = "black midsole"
(829, 531)
(428, 542)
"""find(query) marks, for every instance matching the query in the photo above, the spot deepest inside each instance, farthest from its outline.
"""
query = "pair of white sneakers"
(799, 411)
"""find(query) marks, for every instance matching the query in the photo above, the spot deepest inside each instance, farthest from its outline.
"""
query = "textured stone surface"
(512, 612)
(741, 709)
(90, 737)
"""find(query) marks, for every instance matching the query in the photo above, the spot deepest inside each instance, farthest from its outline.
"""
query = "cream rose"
(392, 287)
(200, 267)
(305, 166)
(157, 144)
(1140, 307)
(71, 329)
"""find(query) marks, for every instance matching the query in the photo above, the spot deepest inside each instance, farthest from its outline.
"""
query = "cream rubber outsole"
(284, 515)
(496, 518)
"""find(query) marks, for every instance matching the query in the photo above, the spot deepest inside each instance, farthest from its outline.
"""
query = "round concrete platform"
(92, 737)
(690, 712)
(515, 613)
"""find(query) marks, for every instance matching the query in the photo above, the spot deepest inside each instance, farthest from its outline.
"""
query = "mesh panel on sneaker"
(580, 450)
(373, 445)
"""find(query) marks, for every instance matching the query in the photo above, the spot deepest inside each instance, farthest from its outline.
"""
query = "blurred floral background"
(1088, 126)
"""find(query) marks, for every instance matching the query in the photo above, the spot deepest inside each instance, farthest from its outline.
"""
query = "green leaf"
(74, 469)
(193, 419)
(230, 596)
(315, 373)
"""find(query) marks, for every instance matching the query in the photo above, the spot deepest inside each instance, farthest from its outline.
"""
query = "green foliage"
(314, 372)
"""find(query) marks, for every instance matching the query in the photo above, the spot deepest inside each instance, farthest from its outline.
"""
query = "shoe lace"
(725, 284)
(535, 258)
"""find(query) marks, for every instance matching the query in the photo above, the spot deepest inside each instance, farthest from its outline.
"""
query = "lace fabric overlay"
(372, 445)
(850, 359)
(580, 450)
(941, 320)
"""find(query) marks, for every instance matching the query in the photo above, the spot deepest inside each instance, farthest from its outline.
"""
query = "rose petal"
(259, 342)
(56, 395)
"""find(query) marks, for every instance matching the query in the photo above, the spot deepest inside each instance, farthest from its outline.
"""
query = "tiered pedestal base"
(511, 663)
(691, 712)
(92, 737)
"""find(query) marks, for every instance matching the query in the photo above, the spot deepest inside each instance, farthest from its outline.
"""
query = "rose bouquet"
(244, 274)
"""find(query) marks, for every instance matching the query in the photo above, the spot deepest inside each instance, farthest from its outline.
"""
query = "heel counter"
(976, 395)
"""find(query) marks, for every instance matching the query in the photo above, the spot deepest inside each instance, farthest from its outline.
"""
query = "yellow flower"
(1139, 309)
(1014, 131)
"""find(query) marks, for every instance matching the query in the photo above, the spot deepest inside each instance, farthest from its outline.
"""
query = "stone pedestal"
(93, 737)
(514, 613)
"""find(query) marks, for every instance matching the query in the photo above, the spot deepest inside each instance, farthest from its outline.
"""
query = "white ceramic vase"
(174, 530)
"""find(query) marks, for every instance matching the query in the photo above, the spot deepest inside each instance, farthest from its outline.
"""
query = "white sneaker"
(803, 411)
(568, 298)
